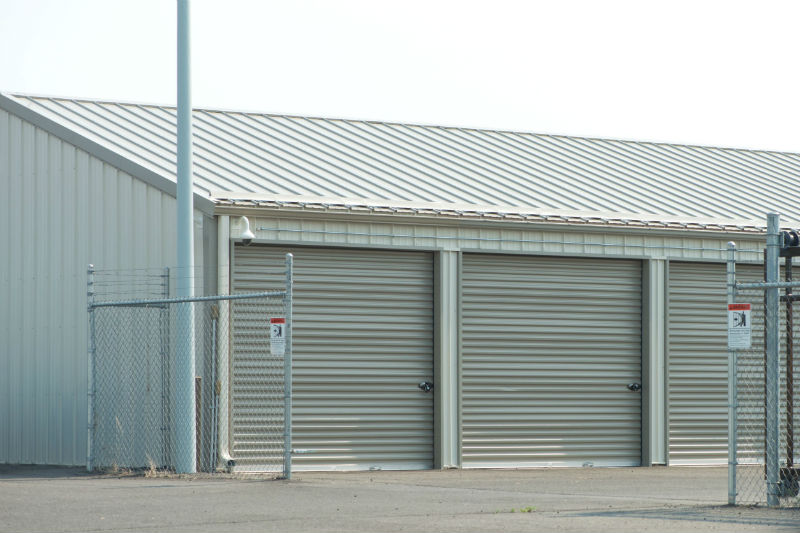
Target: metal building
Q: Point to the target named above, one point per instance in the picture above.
(564, 297)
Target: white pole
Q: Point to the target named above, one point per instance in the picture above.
(223, 354)
(185, 453)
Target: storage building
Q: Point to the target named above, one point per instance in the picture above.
(563, 296)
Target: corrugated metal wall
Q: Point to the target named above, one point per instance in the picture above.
(61, 209)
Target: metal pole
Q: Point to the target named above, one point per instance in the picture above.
(214, 389)
(185, 460)
(732, 392)
(789, 367)
(287, 373)
(773, 368)
(90, 372)
(166, 379)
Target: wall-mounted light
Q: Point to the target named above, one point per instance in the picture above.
(247, 236)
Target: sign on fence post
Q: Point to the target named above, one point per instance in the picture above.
(277, 336)
(739, 330)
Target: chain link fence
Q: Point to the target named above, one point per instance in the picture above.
(763, 461)
(231, 414)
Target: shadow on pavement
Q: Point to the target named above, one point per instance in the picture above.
(724, 514)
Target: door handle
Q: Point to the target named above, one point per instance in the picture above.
(425, 386)
(635, 387)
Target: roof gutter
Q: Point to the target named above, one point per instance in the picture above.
(477, 221)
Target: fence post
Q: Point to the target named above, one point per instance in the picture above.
(166, 375)
(90, 370)
(773, 366)
(732, 390)
(287, 373)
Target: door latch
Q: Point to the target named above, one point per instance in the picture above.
(425, 386)
(634, 387)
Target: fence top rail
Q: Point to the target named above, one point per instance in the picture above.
(765, 285)
(166, 301)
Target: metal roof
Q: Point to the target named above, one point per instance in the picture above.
(277, 155)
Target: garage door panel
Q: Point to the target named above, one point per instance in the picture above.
(362, 341)
(697, 361)
(549, 345)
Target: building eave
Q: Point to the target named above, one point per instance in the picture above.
(155, 180)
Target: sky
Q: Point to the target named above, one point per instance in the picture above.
(714, 73)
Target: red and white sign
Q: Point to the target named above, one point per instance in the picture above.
(739, 328)
(277, 336)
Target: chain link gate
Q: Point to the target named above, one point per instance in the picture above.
(242, 349)
(762, 386)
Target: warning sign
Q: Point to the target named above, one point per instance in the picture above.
(277, 336)
(739, 326)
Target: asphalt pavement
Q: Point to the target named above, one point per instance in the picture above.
(560, 499)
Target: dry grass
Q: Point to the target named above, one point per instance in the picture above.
(153, 471)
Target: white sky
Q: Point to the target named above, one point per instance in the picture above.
(722, 73)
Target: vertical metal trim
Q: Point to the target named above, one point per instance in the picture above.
(664, 370)
(90, 371)
(732, 391)
(667, 395)
(460, 363)
(646, 363)
(438, 359)
(653, 361)
(287, 373)
(773, 364)
(445, 271)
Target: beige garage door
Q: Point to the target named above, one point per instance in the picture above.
(363, 341)
(697, 361)
(550, 346)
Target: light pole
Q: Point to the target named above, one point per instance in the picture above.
(185, 456)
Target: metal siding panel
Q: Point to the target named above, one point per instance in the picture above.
(48, 156)
(363, 340)
(15, 352)
(697, 362)
(5, 282)
(81, 210)
(69, 291)
(8, 272)
(549, 345)
(28, 306)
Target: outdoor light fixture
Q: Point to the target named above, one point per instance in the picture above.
(247, 236)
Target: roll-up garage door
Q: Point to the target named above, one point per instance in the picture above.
(362, 343)
(550, 346)
(697, 362)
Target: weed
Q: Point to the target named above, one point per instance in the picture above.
(528, 509)
(152, 470)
